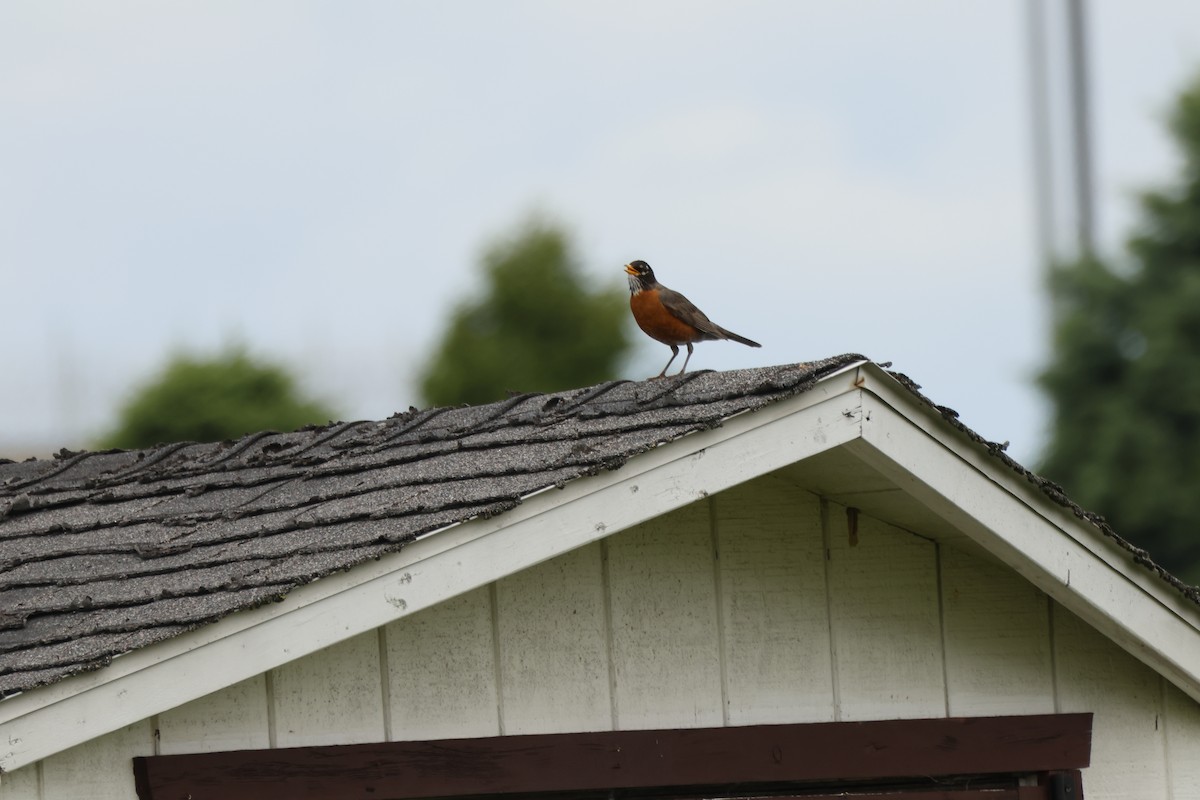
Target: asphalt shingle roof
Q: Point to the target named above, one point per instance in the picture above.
(103, 553)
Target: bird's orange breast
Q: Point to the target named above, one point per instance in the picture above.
(659, 323)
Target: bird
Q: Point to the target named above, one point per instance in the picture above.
(669, 317)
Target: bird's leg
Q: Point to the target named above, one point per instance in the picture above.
(674, 352)
(687, 359)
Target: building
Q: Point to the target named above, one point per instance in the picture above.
(800, 577)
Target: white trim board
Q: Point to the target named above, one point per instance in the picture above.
(1067, 558)
(860, 407)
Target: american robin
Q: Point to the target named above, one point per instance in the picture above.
(670, 317)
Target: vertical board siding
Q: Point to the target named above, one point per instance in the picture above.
(666, 657)
(20, 784)
(333, 696)
(885, 621)
(101, 769)
(1183, 743)
(553, 647)
(773, 605)
(723, 612)
(443, 670)
(234, 718)
(1128, 749)
(997, 633)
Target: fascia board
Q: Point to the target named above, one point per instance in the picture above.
(1067, 558)
(437, 567)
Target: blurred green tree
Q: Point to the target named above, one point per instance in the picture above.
(1124, 379)
(538, 326)
(211, 399)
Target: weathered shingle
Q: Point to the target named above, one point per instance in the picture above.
(102, 553)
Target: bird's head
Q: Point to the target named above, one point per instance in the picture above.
(641, 277)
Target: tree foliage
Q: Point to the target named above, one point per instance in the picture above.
(1125, 374)
(538, 326)
(211, 399)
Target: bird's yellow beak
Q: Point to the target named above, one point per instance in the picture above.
(629, 270)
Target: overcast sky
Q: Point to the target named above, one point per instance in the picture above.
(316, 180)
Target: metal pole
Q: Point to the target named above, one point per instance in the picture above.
(1080, 128)
(1045, 222)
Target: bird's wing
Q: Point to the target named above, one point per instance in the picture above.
(682, 308)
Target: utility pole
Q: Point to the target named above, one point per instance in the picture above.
(1060, 106)
(1085, 220)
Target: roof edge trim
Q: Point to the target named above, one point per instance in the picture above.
(1068, 558)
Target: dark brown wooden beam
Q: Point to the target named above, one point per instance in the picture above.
(748, 756)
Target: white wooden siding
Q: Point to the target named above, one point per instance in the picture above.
(1183, 743)
(738, 609)
(997, 632)
(884, 615)
(442, 671)
(235, 718)
(100, 769)
(1128, 746)
(21, 784)
(773, 612)
(334, 696)
(554, 674)
(665, 649)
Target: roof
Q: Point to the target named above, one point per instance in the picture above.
(103, 553)
(147, 554)
(1056, 493)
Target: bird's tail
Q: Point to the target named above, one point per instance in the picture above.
(737, 338)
